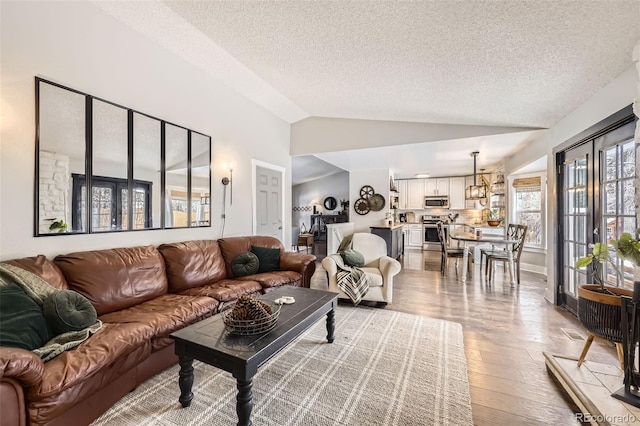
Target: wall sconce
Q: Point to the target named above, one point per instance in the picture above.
(229, 181)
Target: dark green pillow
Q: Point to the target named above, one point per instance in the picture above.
(68, 310)
(245, 264)
(269, 258)
(22, 322)
(352, 258)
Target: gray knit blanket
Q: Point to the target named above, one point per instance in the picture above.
(351, 281)
(38, 289)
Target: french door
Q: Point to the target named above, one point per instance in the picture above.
(596, 203)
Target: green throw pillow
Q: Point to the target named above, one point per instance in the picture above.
(269, 258)
(68, 310)
(22, 322)
(245, 264)
(352, 258)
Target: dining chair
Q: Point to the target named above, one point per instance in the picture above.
(295, 234)
(448, 251)
(514, 232)
(511, 232)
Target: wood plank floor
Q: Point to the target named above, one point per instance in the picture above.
(505, 330)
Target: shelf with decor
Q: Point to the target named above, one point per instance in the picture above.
(497, 197)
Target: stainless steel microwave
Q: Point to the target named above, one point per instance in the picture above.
(436, 202)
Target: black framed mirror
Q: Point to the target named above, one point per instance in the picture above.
(330, 203)
(102, 167)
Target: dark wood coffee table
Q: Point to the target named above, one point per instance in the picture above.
(208, 342)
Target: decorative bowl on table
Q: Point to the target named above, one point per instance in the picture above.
(493, 222)
(250, 316)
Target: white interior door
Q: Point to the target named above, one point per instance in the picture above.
(269, 202)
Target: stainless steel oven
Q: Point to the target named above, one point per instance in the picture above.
(431, 240)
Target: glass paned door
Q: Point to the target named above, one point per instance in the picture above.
(617, 192)
(576, 219)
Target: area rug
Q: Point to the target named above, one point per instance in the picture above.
(384, 368)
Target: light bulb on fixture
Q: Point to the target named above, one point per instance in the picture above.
(229, 181)
(422, 175)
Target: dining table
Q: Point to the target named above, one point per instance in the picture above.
(471, 239)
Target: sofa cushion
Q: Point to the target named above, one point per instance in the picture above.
(22, 322)
(94, 355)
(268, 258)
(246, 263)
(192, 264)
(233, 246)
(225, 290)
(352, 258)
(165, 314)
(44, 268)
(276, 279)
(68, 310)
(115, 279)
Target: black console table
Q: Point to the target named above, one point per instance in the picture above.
(320, 231)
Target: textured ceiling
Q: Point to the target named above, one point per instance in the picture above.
(520, 63)
(500, 63)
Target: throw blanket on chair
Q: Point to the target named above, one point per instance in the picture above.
(352, 281)
(38, 289)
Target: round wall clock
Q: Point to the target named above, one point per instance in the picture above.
(330, 203)
(366, 191)
(376, 202)
(361, 206)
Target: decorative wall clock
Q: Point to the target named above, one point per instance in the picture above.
(376, 202)
(361, 206)
(366, 191)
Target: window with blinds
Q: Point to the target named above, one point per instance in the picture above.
(528, 197)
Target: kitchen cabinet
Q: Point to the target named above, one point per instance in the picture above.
(392, 236)
(414, 236)
(456, 193)
(402, 194)
(416, 194)
(436, 186)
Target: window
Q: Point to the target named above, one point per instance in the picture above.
(618, 204)
(109, 204)
(528, 208)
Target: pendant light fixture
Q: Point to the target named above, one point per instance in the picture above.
(475, 191)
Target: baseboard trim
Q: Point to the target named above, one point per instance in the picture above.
(534, 268)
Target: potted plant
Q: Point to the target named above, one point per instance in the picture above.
(493, 217)
(345, 206)
(59, 225)
(599, 305)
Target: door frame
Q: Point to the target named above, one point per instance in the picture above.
(254, 191)
(611, 122)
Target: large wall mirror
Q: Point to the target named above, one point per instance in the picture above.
(102, 167)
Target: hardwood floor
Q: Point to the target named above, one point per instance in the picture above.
(505, 330)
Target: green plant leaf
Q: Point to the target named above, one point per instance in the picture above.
(585, 261)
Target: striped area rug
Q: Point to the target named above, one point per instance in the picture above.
(384, 368)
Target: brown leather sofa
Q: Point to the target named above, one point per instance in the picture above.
(141, 294)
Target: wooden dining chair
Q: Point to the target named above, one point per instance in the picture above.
(448, 251)
(514, 232)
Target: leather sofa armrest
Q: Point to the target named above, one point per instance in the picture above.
(21, 365)
(304, 264)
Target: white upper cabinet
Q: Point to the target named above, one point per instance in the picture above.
(416, 194)
(403, 194)
(456, 193)
(436, 186)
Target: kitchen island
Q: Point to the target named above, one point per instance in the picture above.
(392, 235)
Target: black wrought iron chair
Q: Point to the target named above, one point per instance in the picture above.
(448, 251)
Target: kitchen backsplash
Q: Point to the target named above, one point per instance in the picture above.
(469, 216)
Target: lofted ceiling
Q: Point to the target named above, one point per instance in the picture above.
(525, 63)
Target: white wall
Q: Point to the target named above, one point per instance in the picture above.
(336, 186)
(611, 98)
(379, 180)
(78, 45)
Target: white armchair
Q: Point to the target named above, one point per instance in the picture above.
(379, 268)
